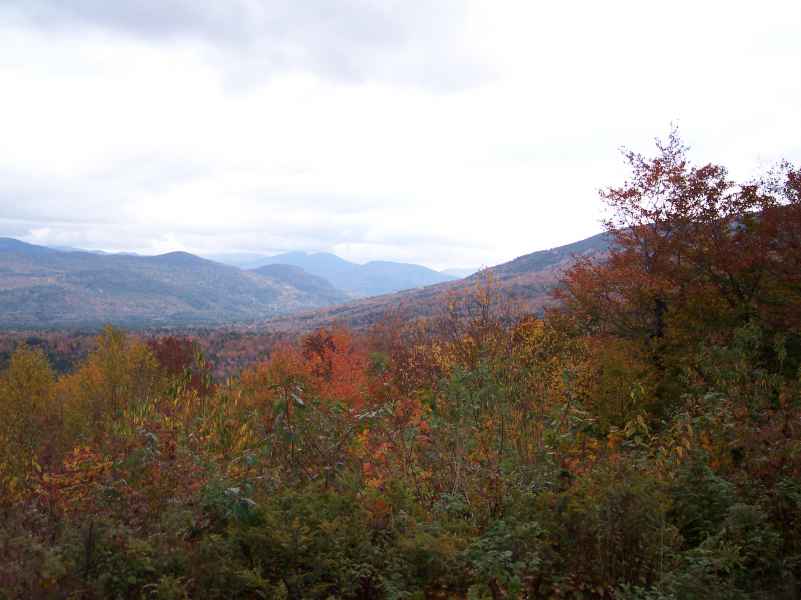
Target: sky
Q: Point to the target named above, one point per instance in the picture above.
(447, 133)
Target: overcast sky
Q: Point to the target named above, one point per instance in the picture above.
(439, 132)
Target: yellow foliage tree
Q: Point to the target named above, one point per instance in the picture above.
(119, 375)
(27, 416)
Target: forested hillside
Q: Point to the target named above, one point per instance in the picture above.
(527, 281)
(42, 287)
(639, 440)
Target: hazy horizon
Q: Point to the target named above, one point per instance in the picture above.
(242, 254)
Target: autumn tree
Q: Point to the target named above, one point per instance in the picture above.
(28, 419)
(182, 361)
(120, 373)
(694, 257)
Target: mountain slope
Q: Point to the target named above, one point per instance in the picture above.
(43, 287)
(303, 281)
(527, 280)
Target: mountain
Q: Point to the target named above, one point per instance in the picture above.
(527, 280)
(546, 259)
(303, 281)
(44, 287)
(357, 281)
(243, 260)
(371, 279)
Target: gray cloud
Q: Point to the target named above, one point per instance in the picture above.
(240, 125)
(98, 197)
(106, 210)
(407, 42)
(233, 21)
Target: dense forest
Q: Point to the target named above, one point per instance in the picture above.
(640, 440)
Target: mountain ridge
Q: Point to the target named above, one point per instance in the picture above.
(357, 280)
(41, 287)
(527, 279)
(44, 287)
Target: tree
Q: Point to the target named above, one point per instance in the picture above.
(120, 373)
(28, 427)
(694, 255)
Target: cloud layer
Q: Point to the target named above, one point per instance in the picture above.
(449, 133)
(348, 40)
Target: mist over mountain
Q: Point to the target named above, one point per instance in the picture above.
(370, 279)
(460, 272)
(243, 260)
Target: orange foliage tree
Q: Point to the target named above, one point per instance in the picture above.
(694, 257)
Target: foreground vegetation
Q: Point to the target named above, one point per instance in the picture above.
(643, 441)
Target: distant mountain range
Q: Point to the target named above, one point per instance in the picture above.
(44, 287)
(527, 280)
(358, 281)
(71, 249)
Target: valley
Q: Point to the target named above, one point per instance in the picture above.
(44, 288)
